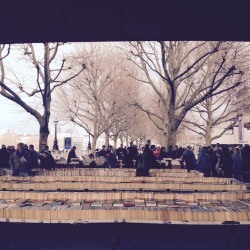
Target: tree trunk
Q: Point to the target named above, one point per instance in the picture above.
(93, 144)
(115, 141)
(170, 124)
(95, 134)
(209, 124)
(172, 139)
(43, 138)
(137, 141)
(126, 138)
(208, 139)
(121, 139)
(44, 124)
(106, 139)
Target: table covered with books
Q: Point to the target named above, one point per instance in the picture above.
(107, 195)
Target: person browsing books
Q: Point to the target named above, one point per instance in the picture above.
(21, 161)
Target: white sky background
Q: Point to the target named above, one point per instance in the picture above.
(11, 114)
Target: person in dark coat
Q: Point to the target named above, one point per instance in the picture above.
(150, 159)
(245, 154)
(46, 148)
(178, 154)
(170, 154)
(188, 158)
(213, 160)
(4, 157)
(111, 161)
(204, 164)
(145, 161)
(128, 159)
(133, 150)
(102, 152)
(237, 165)
(72, 154)
(34, 156)
(48, 162)
(226, 163)
(121, 152)
(163, 153)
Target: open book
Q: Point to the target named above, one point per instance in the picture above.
(23, 160)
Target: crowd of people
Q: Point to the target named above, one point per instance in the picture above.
(216, 161)
(226, 161)
(213, 161)
(24, 158)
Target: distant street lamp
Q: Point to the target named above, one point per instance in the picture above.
(89, 144)
(55, 146)
(240, 132)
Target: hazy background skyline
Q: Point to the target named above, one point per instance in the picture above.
(13, 117)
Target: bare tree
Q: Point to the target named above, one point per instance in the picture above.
(97, 99)
(178, 71)
(217, 111)
(213, 112)
(49, 76)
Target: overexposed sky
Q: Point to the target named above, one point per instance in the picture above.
(12, 115)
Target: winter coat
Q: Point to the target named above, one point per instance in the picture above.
(102, 153)
(204, 164)
(34, 156)
(147, 160)
(237, 167)
(121, 152)
(227, 165)
(72, 154)
(133, 151)
(189, 158)
(128, 161)
(4, 158)
(163, 154)
(171, 154)
(17, 166)
(47, 162)
(111, 161)
(246, 158)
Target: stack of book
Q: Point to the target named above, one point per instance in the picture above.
(101, 195)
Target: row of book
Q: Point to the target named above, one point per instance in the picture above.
(116, 172)
(136, 202)
(107, 172)
(57, 210)
(175, 179)
(120, 195)
(110, 194)
(64, 185)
